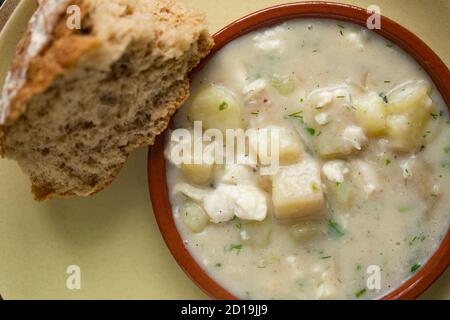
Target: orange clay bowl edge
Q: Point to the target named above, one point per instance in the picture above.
(430, 62)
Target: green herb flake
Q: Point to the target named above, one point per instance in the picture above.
(340, 31)
(338, 184)
(275, 258)
(314, 186)
(218, 265)
(412, 240)
(311, 131)
(389, 45)
(234, 247)
(296, 115)
(415, 267)
(435, 116)
(447, 150)
(358, 267)
(326, 257)
(387, 162)
(341, 26)
(420, 238)
(387, 81)
(301, 100)
(360, 293)
(403, 209)
(223, 106)
(340, 97)
(334, 230)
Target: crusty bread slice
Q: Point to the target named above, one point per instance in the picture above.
(76, 102)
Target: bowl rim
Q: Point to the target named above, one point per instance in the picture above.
(412, 287)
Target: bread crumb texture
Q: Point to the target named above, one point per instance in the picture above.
(77, 102)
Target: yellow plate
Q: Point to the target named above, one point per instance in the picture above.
(112, 236)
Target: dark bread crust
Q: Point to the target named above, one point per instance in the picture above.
(32, 74)
(36, 69)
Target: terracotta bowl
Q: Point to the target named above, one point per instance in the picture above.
(430, 62)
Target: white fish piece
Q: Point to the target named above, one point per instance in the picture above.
(322, 118)
(275, 44)
(321, 99)
(247, 202)
(218, 206)
(369, 177)
(238, 174)
(254, 87)
(357, 39)
(255, 92)
(355, 136)
(406, 167)
(326, 275)
(335, 170)
(271, 40)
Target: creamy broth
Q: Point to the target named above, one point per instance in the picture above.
(385, 192)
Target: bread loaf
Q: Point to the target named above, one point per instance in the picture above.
(77, 101)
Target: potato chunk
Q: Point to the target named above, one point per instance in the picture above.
(290, 147)
(408, 111)
(331, 124)
(329, 144)
(399, 130)
(200, 174)
(256, 234)
(410, 99)
(335, 141)
(307, 230)
(340, 191)
(297, 190)
(370, 113)
(193, 216)
(216, 108)
(341, 194)
(285, 85)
